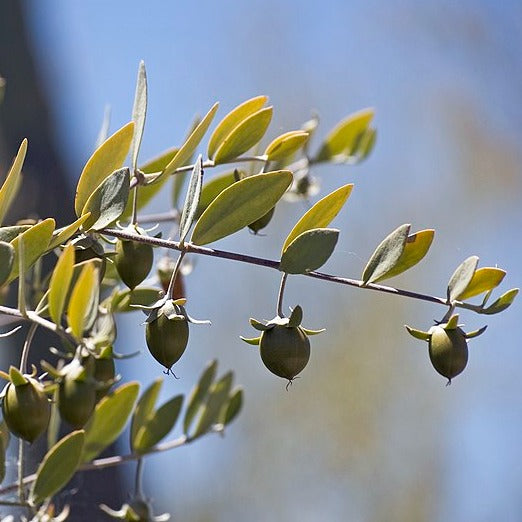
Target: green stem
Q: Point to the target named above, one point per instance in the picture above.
(134, 218)
(27, 346)
(138, 490)
(170, 290)
(21, 457)
(280, 295)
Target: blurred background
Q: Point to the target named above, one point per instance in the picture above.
(369, 432)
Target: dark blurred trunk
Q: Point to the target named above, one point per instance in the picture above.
(45, 192)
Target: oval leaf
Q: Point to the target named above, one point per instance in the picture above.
(211, 189)
(240, 204)
(144, 409)
(286, 145)
(7, 234)
(461, 278)
(386, 255)
(483, 280)
(83, 299)
(7, 256)
(126, 300)
(309, 251)
(107, 158)
(192, 200)
(109, 419)
(244, 136)
(342, 140)
(60, 282)
(321, 214)
(62, 235)
(107, 203)
(415, 248)
(139, 113)
(503, 302)
(232, 120)
(190, 145)
(58, 466)
(198, 394)
(234, 406)
(158, 425)
(36, 242)
(12, 181)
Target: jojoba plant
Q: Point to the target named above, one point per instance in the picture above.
(100, 262)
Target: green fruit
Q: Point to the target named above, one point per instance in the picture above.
(26, 409)
(167, 339)
(448, 351)
(104, 373)
(133, 261)
(285, 351)
(76, 400)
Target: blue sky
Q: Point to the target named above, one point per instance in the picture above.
(446, 80)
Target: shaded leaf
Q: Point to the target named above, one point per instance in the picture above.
(107, 203)
(36, 241)
(309, 251)
(321, 214)
(244, 136)
(7, 256)
(386, 255)
(415, 248)
(234, 406)
(158, 425)
(124, 300)
(12, 181)
(61, 235)
(60, 283)
(461, 278)
(7, 234)
(286, 145)
(107, 158)
(192, 199)
(240, 204)
(232, 120)
(365, 144)
(212, 188)
(108, 420)
(4, 442)
(139, 113)
(217, 400)
(198, 394)
(83, 299)
(341, 142)
(503, 302)
(190, 145)
(57, 468)
(144, 409)
(483, 280)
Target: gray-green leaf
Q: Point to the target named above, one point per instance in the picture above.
(461, 278)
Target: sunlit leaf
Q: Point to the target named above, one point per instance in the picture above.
(198, 394)
(61, 235)
(483, 280)
(415, 248)
(36, 242)
(342, 140)
(139, 113)
(190, 145)
(244, 136)
(60, 282)
(212, 188)
(7, 256)
(232, 120)
(107, 203)
(107, 158)
(321, 214)
(286, 145)
(240, 204)
(503, 302)
(192, 199)
(461, 278)
(108, 420)
(386, 255)
(57, 467)
(12, 182)
(309, 251)
(83, 299)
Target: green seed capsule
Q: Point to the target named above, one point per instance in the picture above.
(448, 350)
(285, 351)
(26, 409)
(133, 261)
(167, 339)
(104, 373)
(76, 400)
